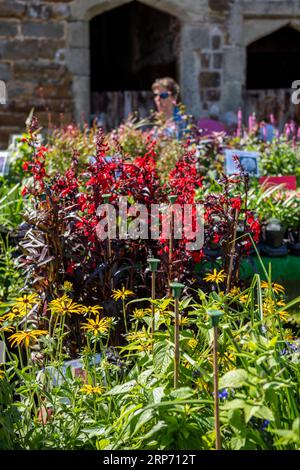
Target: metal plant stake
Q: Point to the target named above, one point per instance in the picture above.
(176, 293)
(153, 265)
(215, 318)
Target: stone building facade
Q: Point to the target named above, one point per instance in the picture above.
(45, 57)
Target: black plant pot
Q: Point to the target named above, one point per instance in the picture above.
(274, 233)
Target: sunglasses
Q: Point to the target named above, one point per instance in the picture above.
(163, 96)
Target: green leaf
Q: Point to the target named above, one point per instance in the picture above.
(237, 403)
(158, 394)
(234, 379)
(121, 389)
(161, 357)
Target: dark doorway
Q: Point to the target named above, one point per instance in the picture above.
(272, 66)
(273, 61)
(131, 46)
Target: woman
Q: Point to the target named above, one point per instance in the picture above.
(172, 121)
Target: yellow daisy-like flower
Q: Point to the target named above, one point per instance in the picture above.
(97, 327)
(24, 337)
(183, 321)
(281, 303)
(234, 291)
(215, 276)
(121, 293)
(243, 298)
(90, 390)
(268, 306)
(138, 313)
(2, 374)
(145, 346)
(68, 286)
(288, 335)
(65, 306)
(94, 310)
(6, 329)
(277, 288)
(192, 343)
(137, 336)
(27, 301)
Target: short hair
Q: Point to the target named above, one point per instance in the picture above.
(168, 83)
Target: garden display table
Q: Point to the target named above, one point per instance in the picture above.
(284, 270)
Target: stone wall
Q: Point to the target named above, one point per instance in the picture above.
(45, 60)
(33, 40)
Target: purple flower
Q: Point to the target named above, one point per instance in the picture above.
(223, 394)
(265, 424)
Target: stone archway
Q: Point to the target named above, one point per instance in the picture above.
(78, 52)
(275, 55)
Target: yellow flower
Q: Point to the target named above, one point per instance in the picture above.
(2, 374)
(215, 277)
(98, 327)
(268, 306)
(183, 321)
(277, 288)
(27, 301)
(145, 346)
(288, 334)
(8, 317)
(90, 390)
(6, 329)
(234, 292)
(137, 336)
(68, 286)
(121, 293)
(95, 310)
(281, 303)
(26, 336)
(65, 306)
(243, 298)
(192, 343)
(138, 313)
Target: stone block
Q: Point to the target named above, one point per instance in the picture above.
(38, 71)
(231, 95)
(81, 86)
(11, 9)
(220, 5)
(5, 72)
(205, 60)
(199, 37)
(78, 34)
(216, 42)
(60, 12)
(20, 49)
(15, 119)
(78, 61)
(53, 30)
(209, 79)
(234, 61)
(49, 48)
(8, 28)
(213, 95)
(38, 11)
(217, 61)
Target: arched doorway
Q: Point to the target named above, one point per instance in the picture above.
(272, 66)
(130, 46)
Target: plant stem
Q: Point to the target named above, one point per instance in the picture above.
(216, 389)
(176, 341)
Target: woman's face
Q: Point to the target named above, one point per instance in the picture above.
(164, 100)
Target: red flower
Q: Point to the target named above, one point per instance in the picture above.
(236, 203)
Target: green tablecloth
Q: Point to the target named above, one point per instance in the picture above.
(285, 271)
